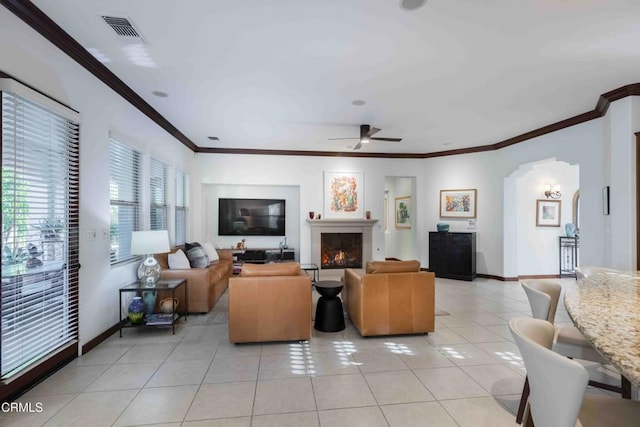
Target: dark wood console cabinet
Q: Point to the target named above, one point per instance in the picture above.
(453, 255)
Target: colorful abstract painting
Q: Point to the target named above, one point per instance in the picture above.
(343, 194)
(458, 203)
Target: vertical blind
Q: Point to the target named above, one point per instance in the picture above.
(158, 192)
(124, 194)
(40, 198)
(181, 208)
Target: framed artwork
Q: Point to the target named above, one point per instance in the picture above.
(458, 203)
(344, 194)
(548, 213)
(403, 212)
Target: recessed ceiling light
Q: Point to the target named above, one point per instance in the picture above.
(213, 138)
(412, 4)
(160, 93)
(358, 102)
(447, 144)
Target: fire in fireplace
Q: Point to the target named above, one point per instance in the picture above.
(341, 250)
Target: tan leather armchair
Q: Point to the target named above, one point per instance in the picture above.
(390, 297)
(270, 302)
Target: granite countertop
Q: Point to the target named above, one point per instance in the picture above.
(605, 307)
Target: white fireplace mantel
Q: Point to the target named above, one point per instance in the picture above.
(340, 225)
(342, 222)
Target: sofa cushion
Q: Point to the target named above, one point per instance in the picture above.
(276, 269)
(197, 257)
(211, 251)
(178, 260)
(393, 266)
(188, 245)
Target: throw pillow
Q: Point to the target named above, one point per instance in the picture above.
(188, 246)
(178, 260)
(211, 251)
(197, 257)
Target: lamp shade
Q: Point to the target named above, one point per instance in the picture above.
(149, 242)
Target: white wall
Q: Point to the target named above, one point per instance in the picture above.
(42, 66)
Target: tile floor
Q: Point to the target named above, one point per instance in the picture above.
(467, 373)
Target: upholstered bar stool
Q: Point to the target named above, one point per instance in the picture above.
(558, 384)
(543, 296)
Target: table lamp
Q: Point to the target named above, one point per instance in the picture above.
(148, 243)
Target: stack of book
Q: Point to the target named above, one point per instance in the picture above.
(159, 319)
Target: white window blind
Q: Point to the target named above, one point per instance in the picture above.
(124, 190)
(158, 192)
(40, 187)
(181, 208)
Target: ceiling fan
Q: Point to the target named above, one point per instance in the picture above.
(366, 133)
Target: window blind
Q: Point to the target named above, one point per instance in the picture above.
(158, 192)
(40, 198)
(124, 194)
(181, 208)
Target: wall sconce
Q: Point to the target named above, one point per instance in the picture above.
(552, 192)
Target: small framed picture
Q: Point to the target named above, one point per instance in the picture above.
(548, 213)
(403, 212)
(458, 203)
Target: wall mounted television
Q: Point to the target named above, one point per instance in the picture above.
(251, 217)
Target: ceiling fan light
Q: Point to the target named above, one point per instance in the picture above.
(365, 140)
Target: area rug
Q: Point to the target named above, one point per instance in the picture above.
(441, 312)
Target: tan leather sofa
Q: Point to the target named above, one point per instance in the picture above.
(270, 302)
(390, 297)
(205, 285)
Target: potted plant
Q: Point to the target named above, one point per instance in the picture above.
(50, 228)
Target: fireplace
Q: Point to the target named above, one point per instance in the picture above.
(340, 250)
(330, 268)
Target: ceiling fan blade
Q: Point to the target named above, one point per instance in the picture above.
(358, 145)
(339, 139)
(387, 139)
(373, 131)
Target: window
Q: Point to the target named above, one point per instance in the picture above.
(158, 192)
(181, 208)
(40, 185)
(124, 191)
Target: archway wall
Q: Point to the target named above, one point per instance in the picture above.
(537, 246)
(578, 145)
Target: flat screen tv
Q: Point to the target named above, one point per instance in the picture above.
(251, 217)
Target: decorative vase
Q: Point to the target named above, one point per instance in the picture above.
(136, 310)
(570, 229)
(149, 298)
(168, 305)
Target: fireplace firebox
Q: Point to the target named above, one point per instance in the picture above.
(340, 250)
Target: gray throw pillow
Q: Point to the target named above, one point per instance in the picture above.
(197, 257)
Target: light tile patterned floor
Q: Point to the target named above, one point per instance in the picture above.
(467, 373)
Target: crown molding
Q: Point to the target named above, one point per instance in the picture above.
(44, 25)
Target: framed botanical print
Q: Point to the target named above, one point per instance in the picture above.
(403, 212)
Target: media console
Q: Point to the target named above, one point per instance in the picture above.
(264, 255)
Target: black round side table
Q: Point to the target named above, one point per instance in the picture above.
(329, 312)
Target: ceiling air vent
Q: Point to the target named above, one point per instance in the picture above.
(123, 27)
